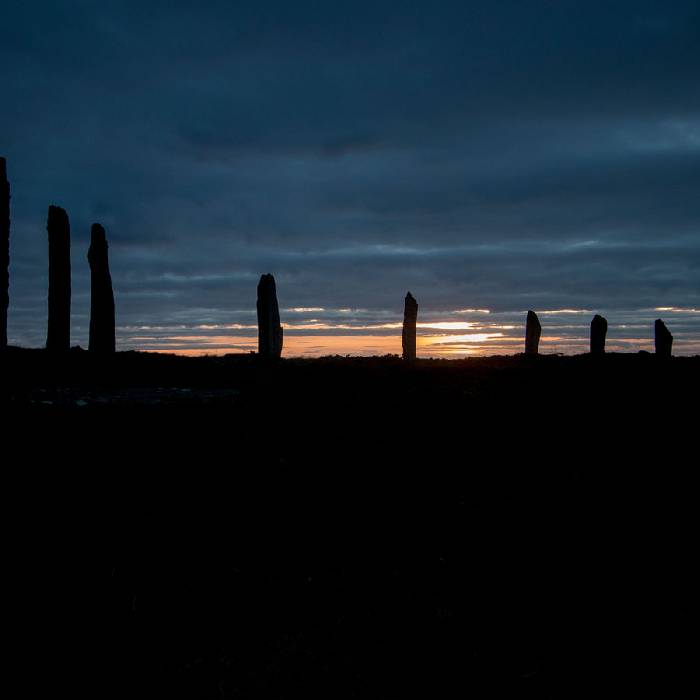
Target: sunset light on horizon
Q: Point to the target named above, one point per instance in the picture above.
(490, 161)
(346, 347)
(360, 332)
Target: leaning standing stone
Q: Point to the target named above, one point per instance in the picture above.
(663, 340)
(533, 330)
(599, 329)
(4, 251)
(58, 227)
(408, 338)
(269, 328)
(102, 330)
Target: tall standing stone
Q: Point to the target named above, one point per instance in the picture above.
(102, 333)
(269, 328)
(599, 329)
(4, 252)
(533, 330)
(58, 336)
(663, 340)
(408, 337)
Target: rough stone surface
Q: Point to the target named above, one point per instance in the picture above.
(533, 330)
(4, 251)
(599, 329)
(269, 328)
(58, 227)
(102, 331)
(663, 340)
(408, 337)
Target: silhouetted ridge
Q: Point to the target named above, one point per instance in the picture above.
(533, 330)
(599, 329)
(102, 331)
(4, 251)
(269, 328)
(408, 338)
(58, 227)
(663, 340)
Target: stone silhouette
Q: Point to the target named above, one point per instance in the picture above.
(102, 333)
(408, 337)
(4, 251)
(58, 336)
(269, 328)
(533, 330)
(599, 329)
(663, 340)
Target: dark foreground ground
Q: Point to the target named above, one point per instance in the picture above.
(220, 527)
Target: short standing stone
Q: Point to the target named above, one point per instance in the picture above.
(599, 329)
(102, 330)
(58, 227)
(663, 340)
(4, 251)
(408, 338)
(269, 328)
(533, 330)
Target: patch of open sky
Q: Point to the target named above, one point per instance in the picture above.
(389, 250)
(663, 136)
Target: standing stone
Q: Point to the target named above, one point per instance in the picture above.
(102, 333)
(58, 336)
(408, 337)
(599, 329)
(269, 328)
(663, 340)
(533, 330)
(4, 251)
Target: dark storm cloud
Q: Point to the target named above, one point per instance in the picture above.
(484, 154)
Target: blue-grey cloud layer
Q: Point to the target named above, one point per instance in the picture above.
(503, 155)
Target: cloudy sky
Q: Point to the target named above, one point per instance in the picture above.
(490, 157)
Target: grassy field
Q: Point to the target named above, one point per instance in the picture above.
(347, 527)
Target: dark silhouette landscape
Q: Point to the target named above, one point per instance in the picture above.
(252, 526)
(348, 527)
(479, 219)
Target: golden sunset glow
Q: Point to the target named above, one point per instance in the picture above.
(317, 325)
(556, 312)
(305, 309)
(431, 340)
(361, 332)
(448, 326)
(677, 310)
(294, 345)
(435, 345)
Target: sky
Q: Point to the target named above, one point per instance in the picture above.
(490, 157)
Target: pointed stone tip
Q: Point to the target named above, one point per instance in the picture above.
(267, 280)
(57, 215)
(97, 234)
(660, 327)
